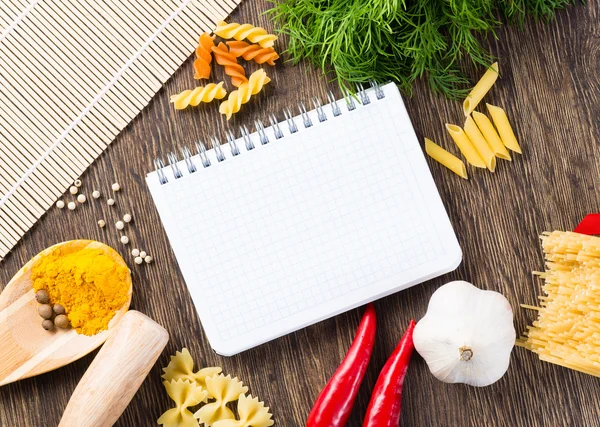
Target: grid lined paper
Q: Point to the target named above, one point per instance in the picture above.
(322, 216)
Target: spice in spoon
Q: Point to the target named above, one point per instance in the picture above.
(88, 284)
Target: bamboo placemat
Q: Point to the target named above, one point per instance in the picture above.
(73, 74)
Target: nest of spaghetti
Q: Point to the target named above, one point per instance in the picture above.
(567, 330)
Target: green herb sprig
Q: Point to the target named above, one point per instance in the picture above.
(399, 40)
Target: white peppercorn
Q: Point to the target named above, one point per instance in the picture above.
(110, 202)
(96, 194)
(148, 259)
(81, 198)
(77, 183)
(72, 206)
(60, 204)
(135, 252)
(143, 254)
(138, 260)
(116, 187)
(124, 240)
(127, 217)
(73, 190)
(101, 223)
(120, 225)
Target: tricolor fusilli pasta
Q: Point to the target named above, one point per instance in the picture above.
(245, 31)
(197, 95)
(253, 52)
(203, 56)
(243, 94)
(229, 62)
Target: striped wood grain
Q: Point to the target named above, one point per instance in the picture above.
(73, 74)
(549, 87)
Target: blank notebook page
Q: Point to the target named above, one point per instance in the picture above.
(306, 226)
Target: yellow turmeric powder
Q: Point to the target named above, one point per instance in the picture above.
(87, 282)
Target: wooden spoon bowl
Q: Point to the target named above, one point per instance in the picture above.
(27, 349)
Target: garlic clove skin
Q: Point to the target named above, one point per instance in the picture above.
(467, 334)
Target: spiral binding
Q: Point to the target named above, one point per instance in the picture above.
(235, 151)
(187, 156)
(275, 126)
(201, 148)
(260, 129)
(174, 166)
(246, 135)
(319, 109)
(289, 118)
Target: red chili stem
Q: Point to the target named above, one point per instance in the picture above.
(334, 404)
(386, 400)
(589, 225)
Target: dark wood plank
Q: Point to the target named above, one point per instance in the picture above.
(550, 88)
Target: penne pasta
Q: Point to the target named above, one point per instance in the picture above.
(504, 128)
(465, 146)
(480, 144)
(491, 136)
(445, 158)
(481, 88)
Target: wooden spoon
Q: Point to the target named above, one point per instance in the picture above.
(27, 349)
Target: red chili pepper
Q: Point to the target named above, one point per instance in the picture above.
(589, 225)
(334, 404)
(384, 407)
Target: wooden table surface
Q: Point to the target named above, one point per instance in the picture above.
(550, 87)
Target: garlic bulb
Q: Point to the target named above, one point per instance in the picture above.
(466, 335)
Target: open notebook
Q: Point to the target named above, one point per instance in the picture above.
(304, 219)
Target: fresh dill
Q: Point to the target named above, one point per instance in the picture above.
(399, 40)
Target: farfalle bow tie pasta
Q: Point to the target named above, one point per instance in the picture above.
(185, 394)
(252, 414)
(188, 388)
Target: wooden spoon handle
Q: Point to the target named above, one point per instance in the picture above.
(116, 373)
